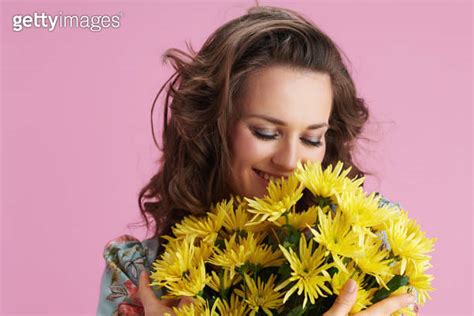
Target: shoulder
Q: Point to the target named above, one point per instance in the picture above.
(125, 258)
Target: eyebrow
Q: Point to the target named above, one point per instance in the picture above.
(281, 123)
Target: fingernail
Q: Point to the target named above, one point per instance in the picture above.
(351, 286)
(416, 308)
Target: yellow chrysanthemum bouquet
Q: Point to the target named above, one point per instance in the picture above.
(291, 252)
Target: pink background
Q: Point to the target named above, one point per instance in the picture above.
(76, 142)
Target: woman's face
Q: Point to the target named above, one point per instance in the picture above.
(284, 118)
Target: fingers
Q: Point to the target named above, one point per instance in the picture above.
(344, 302)
(389, 305)
(152, 305)
(144, 291)
(185, 300)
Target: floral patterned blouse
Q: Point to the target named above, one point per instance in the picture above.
(125, 258)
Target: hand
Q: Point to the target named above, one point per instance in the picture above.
(346, 299)
(154, 306)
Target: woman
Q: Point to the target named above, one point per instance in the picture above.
(266, 90)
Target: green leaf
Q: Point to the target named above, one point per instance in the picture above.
(324, 201)
(241, 233)
(395, 283)
(297, 311)
(220, 244)
(294, 237)
(285, 270)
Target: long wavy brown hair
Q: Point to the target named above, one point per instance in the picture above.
(203, 96)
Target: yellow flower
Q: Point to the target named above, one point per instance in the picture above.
(408, 242)
(238, 251)
(234, 307)
(238, 219)
(181, 269)
(260, 295)
(282, 196)
(233, 255)
(328, 182)
(421, 281)
(223, 281)
(363, 211)
(364, 297)
(198, 307)
(264, 256)
(190, 284)
(177, 259)
(302, 220)
(203, 227)
(309, 271)
(338, 237)
(375, 261)
(200, 250)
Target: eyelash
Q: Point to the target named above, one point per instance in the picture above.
(267, 137)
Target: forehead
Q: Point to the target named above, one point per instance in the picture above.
(292, 95)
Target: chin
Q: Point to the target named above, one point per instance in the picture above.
(251, 187)
(256, 193)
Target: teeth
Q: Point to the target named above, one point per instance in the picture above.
(265, 176)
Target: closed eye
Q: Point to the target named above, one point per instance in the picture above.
(314, 143)
(264, 134)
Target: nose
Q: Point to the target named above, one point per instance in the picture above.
(286, 156)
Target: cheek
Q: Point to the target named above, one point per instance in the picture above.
(246, 149)
(322, 152)
(316, 155)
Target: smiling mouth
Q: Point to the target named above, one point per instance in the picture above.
(268, 177)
